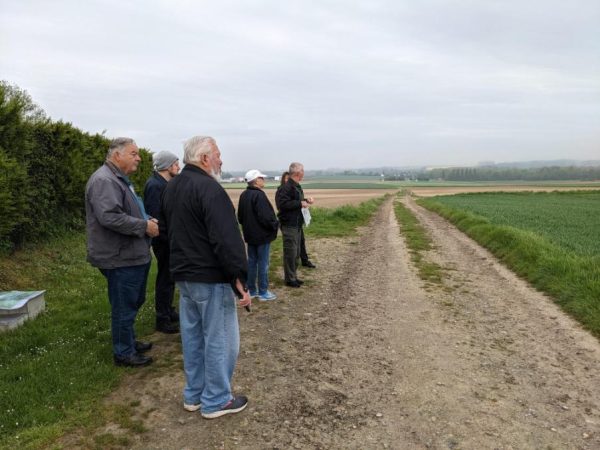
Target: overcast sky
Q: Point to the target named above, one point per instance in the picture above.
(343, 84)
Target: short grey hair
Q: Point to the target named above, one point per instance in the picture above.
(118, 144)
(196, 147)
(296, 167)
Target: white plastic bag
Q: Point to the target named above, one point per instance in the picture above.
(306, 215)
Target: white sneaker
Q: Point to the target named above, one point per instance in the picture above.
(268, 296)
(191, 408)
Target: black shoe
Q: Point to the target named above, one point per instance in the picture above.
(299, 281)
(135, 360)
(234, 406)
(167, 327)
(293, 284)
(142, 347)
(308, 264)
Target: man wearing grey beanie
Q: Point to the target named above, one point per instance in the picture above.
(166, 166)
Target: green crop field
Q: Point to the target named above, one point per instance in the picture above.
(549, 238)
(570, 220)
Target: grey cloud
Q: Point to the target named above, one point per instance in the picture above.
(336, 84)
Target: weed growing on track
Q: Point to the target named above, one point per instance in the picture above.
(418, 242)
(541, 237)
(341, 221)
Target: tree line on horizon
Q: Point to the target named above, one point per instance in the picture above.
(590, 171)
(44, 166)
(553, 173)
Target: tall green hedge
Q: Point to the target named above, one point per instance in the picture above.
(44, 166)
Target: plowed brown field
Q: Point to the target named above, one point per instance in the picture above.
(325, 198)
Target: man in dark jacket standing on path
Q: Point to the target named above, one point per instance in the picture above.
(259, 224)
(306, 262)
(208, 263)
(166, 166)
(118, 243)
(290, 202)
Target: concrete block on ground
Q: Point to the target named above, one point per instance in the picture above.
(18, 306)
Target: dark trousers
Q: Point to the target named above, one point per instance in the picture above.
(126, 293)
(303, 254)
(164, 287)
(291, 251)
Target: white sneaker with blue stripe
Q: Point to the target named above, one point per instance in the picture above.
(267, 296)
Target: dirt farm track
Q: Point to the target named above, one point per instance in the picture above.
(366, 356)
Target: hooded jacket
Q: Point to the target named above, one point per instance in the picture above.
(257, 217)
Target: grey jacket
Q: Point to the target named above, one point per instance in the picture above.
(115, 224)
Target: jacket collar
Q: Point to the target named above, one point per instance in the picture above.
(293, 182)
(159, 177)
(193, 168)
(114, 169)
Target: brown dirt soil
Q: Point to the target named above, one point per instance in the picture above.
(324, 198)
(367, 356)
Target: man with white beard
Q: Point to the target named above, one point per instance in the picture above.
(208, 263)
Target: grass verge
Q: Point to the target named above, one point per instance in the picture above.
(572, 280)
(418, 242)
(54, 370)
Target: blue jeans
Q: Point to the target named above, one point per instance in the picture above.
(258, 261)
(126, 293)
(210, 339)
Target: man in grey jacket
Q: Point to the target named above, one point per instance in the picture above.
(118, 243)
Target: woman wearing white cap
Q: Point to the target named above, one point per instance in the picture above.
(259, 226)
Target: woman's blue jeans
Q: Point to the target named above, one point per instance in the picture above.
(258, 264)
(210, 339)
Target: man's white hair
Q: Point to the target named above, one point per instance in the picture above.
(194, 148)
(296, 167)
(117, 145)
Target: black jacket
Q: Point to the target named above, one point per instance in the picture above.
(153, 189)
(204, 236)
(257, 217)
(289, 204)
